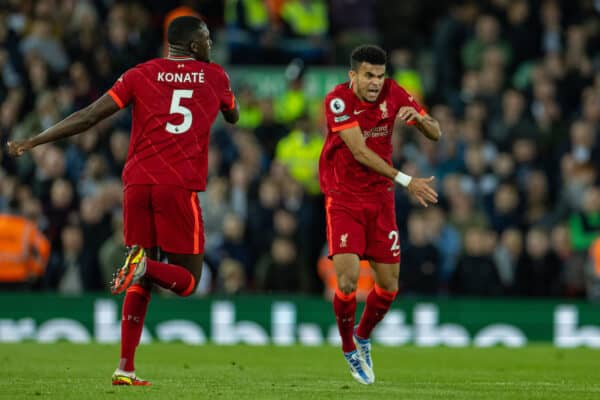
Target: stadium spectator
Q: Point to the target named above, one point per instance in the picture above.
(278, 271)
(476, 273)
(538, 272)
(507, 255)
(420, 260)
(299, 152)
(66, 269)
(24, 252)
(446, 240)
(231, 278)
(306, 23)
(111, 250)
(233, 245)
(585, 223)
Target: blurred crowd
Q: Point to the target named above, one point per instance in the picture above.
(515, 85)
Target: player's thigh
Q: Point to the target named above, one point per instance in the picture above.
(386, 275)
(346, 228)
(138, 216)
(347, 270)
(178, 220)
(383, 239)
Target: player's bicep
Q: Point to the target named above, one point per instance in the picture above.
(354, 139)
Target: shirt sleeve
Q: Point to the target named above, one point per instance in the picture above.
(227, 99)
(405, 99)
(339, 111)
(122, 91)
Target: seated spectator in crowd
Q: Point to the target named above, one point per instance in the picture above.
(111, 252)
(506, 256)
(278, 271)
(585, 224)
(215, 206)
(506, 208)
(476, 273)
(446, 239)
(234, 245)
(231, 277)
(260, 226)
(539, 271)
(420, 270)
(66, 268)
(464, 214)
(487, 35)
(59, 209)
(573, 263)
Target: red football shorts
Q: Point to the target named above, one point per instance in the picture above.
(364, 227)
(163, 216)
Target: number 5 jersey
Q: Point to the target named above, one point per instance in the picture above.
(174, 102)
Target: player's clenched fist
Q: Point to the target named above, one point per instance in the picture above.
(419, 187)
(17, 147)
(409, 114)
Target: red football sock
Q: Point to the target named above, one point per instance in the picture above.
(169, 276)
(344, 306)
(378, 304)
(134, 310)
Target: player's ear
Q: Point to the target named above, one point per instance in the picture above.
(193, 46)
(352, 75)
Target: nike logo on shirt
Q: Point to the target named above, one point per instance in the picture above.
(356, 112)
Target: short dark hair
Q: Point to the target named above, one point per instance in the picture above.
(181, 29)
(369, 53)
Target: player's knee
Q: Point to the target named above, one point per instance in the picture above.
(192, 286)
(391, 286)
(347, 287)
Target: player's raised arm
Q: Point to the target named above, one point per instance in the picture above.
(423, 121)
(418, 187)
(75, 123)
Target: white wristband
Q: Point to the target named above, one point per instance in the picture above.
(403, 179)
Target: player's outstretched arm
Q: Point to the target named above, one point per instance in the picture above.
(424, 122)
(75, 123)
(418, 187)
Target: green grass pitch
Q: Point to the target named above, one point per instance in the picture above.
(68, 371)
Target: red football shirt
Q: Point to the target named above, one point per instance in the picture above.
(175, 101)
(339, 172)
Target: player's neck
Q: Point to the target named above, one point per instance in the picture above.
(179, 54)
